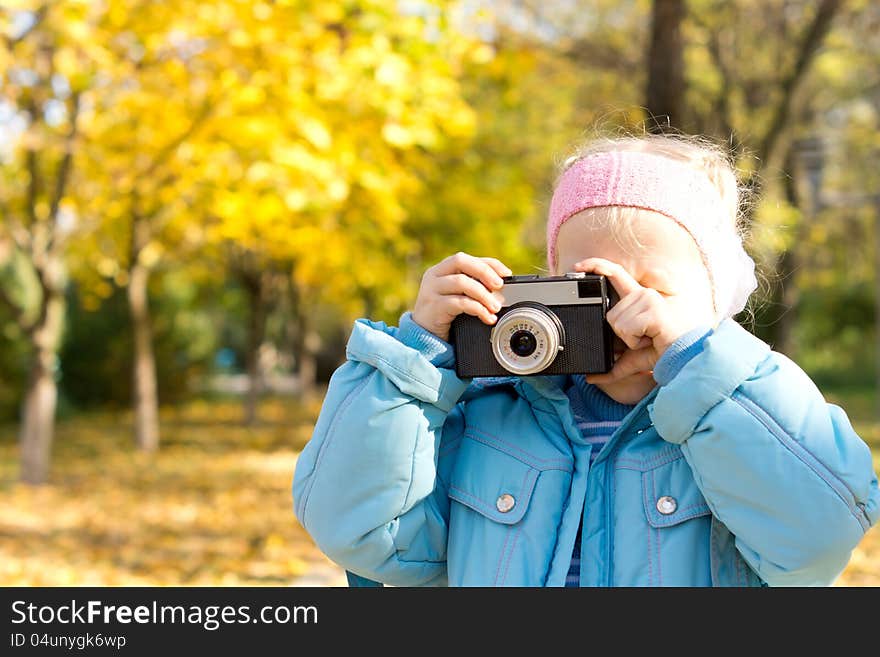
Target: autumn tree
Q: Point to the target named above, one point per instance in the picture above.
(46, 67)
(315, 151)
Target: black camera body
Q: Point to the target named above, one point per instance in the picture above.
(547, 325)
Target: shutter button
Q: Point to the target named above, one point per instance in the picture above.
(667, 505)
(505, 502)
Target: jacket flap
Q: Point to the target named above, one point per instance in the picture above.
(491, 482)
(671, 495)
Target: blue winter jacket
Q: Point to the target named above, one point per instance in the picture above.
(736, 472)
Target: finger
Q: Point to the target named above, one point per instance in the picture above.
(456, 304)
(620, 278)
(627, 320)
(500, 268)
(639, 318)
(621, 307)
(630, 362)
(464, 263)
(455, 284)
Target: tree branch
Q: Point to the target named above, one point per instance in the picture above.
(17, 310)
(63, 174)
(812, 41)
(170, 147)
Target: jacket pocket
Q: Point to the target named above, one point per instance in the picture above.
(678, 525)
(491, 482)
(670, 494)
(493, 539)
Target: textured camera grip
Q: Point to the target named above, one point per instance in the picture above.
(588, 344)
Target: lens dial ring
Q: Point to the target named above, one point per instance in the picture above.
(526, 339)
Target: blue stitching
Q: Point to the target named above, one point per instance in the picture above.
(714, 555)
(327, 439)
(518, 531)
(508, 531)
(510, 553)
(659, 564)
(524, 494)
(503, 446)
(448, 447)
(652, 463)
(700, 508)
(365, 358)
(412, 468)
(793, 446)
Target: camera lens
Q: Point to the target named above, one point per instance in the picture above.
(527, 338)
(523, 343)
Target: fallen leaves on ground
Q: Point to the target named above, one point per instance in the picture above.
(212, 507)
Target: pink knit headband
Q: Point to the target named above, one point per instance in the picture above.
(682, 193)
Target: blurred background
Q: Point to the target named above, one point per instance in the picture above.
(197, 199)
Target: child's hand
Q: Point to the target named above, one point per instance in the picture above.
(646, 320)
(461, 283)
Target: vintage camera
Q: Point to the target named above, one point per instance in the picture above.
(548, 325)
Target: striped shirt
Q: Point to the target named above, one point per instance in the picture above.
(597, 416)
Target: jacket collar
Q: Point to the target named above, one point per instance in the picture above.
(545, 392)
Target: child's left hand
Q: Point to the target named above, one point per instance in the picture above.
(646, 320)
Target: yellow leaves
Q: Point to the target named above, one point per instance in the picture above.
(393, 71)
(151, 253)
(328, 12)
(482, 54)
(296, 199)
(396, 135)
(261, 11)
(315, 132)
(107, 267)
(261, 172)
(250, 96)
(66, 62)
(240, 38)
(337, 190)
(319, 118)
(774, 229)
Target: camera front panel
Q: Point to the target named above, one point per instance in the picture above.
(588, 343)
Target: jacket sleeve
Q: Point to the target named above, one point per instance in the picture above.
(778, 465)
(365, 486)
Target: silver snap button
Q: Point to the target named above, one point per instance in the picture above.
(505, 502)
(667, 505)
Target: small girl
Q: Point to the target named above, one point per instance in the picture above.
(702, 458)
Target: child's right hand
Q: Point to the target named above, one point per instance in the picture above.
(461, 283)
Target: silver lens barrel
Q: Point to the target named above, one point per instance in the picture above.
(539, 331)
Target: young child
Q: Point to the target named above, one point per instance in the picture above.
(703, 458)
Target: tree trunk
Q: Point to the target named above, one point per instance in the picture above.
(664, 96)
(787, 293)
(255, 286)
(40, 400)
(144, 389)
(788, 296)
(877, 297)
(307, 372)
(306, 343)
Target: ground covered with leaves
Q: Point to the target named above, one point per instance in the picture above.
(213, 507)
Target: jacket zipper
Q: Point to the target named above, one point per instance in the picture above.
(612, 446)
